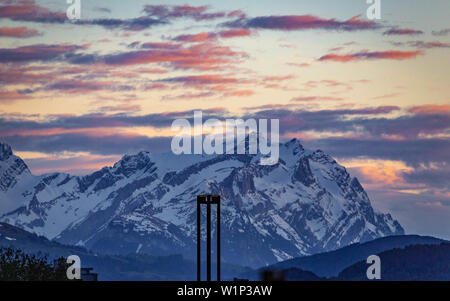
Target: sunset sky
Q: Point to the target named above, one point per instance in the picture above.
(76, 96)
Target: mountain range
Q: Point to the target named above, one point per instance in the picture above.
(411, 263)
(403, 257)
(329, 265)
(146, 203)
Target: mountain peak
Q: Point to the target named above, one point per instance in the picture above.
(130, 163)
(294, 142)
(294, 145)
(141, 156)
(5, 151)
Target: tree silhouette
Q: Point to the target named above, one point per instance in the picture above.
(16, 265)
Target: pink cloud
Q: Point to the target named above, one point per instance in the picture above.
(316, 98)
(374, 55)
(402, 31)
(303, 22)
(237, 13)
(17, 32)
(161, 45)
(198, 13)
(29, 11)
(200, 37)
(241, 32)
(210, 36)
(204, 56)
(200, 80)
(427, 45)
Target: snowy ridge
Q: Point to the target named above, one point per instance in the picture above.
(146, 203)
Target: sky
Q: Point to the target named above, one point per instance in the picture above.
(77, 95)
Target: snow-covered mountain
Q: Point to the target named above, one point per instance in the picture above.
(304, 204)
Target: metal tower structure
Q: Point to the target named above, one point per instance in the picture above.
(208, 200)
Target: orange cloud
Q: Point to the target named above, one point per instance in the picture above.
(17, 32)
(241, 93)
(200, 37)
(96, 132)
(8, 96)
(430, 109)
(241, 32)
(387, 175)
